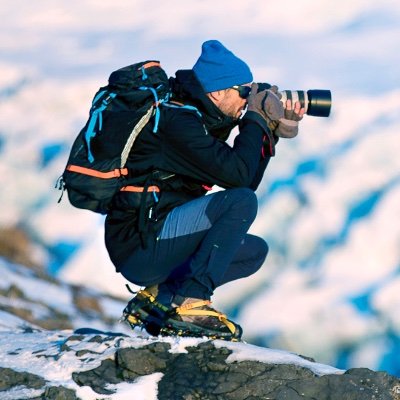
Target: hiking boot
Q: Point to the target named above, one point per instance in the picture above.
(145, 312)
(195, 317)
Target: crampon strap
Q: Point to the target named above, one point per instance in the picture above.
(191, 309)
(144, 293)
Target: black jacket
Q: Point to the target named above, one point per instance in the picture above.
(186, 154)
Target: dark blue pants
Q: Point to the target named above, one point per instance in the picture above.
(201, 245)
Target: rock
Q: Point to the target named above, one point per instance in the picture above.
(99, 377)
(58, 393)
(10, 379)
(204, 373)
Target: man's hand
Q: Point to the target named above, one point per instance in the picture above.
(288, 126)
(267, 104)
(282, 121)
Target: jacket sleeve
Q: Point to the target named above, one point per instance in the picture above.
(190, 150)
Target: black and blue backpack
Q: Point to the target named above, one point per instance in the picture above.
(96, 170)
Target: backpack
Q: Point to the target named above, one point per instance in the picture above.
(96, 170)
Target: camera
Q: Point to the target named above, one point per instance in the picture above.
(316, 102)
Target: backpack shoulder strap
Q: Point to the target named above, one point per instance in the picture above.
(176, 104)
(134, 134)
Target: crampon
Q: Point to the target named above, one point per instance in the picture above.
(145, 312)
(198, 319)
(190, 319)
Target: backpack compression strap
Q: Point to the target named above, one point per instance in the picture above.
(115, 173)
(139, 189)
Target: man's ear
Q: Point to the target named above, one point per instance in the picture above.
(216, 96)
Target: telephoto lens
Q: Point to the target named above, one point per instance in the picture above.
(316, 102)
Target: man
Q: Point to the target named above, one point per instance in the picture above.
(166, 235)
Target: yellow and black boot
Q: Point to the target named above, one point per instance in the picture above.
(145, 312)
(194, 317)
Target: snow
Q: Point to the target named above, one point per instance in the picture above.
(21, 392)
(9, 322)
(145, 388)
(329, 203)
(242, 352)
(45, 292)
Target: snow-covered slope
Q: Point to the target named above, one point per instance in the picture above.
(329, 204)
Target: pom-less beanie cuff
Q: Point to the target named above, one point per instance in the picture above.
(218, 68)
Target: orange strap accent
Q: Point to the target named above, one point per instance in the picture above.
(150, 64)
(139, 189)
(116, 173)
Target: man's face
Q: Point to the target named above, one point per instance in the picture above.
(229, 102)
(232, 104)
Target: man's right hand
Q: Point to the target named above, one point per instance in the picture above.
(267, 104)
(282, 121)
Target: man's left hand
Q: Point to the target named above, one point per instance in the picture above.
(288, 126)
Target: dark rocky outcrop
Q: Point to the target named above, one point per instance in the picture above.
(204, 373)
(10, 379)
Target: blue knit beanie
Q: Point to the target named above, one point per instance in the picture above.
(218, 68)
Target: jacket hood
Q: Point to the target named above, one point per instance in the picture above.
(187, 89)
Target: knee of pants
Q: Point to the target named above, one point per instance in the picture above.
(260, 253)
(264, 249)
(245, 201)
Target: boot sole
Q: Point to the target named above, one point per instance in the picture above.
(180, 328)
(157, 326)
